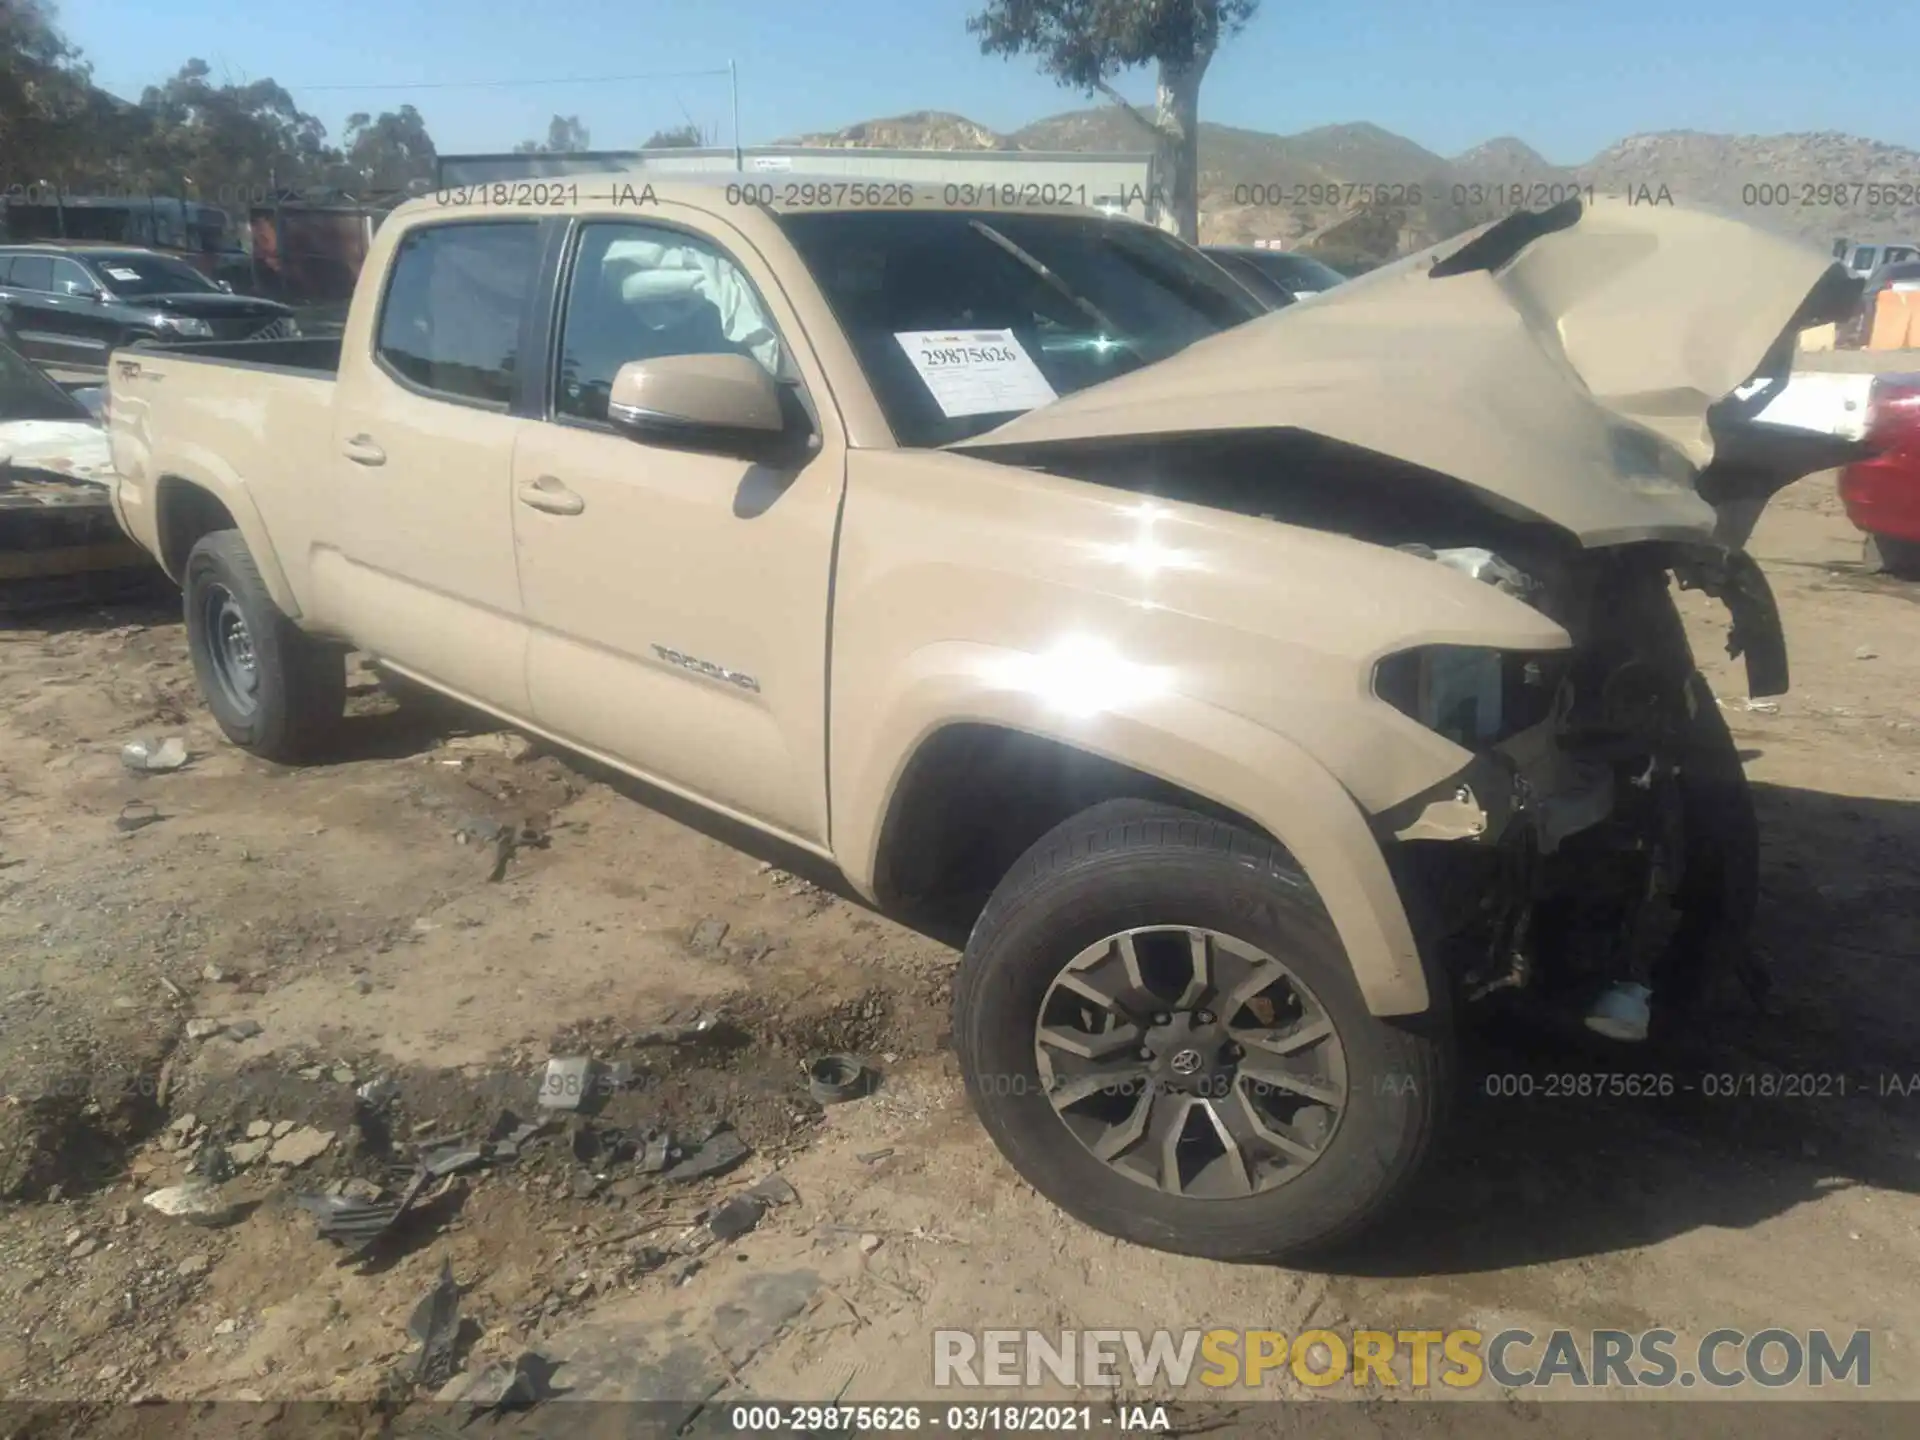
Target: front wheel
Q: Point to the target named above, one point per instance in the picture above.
(275, 690)
(1159, 1028)
(1884, 555)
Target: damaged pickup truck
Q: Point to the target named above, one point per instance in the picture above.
(1277, 688)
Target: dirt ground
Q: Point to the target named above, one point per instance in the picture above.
(334, 923)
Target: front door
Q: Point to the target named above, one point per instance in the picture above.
(677, 601)
(415, 555)
(75, 312)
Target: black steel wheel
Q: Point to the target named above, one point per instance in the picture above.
(275, 690)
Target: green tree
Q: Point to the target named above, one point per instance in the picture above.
(680, 137)
(390, 151)
(565, 135)
(205, 140)
(47, 99)
(1090, 43)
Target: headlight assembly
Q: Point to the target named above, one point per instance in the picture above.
(186, 325)
(1472, 695)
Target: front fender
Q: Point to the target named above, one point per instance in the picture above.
(1126, 715)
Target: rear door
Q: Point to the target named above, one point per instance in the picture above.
(417, 558)
(25, 299)
(678, 601)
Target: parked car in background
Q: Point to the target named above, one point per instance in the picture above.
(1882, 494)
(1895, 275)
(74, 304)
(1277, 277)
(1862, 260)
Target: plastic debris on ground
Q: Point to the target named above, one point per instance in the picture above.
(136, 815)
(715, 1155)
(833, 1079)
(435, 1323)
(357, 1224)
(197, 1201)
(503, 1386)
(148, 755)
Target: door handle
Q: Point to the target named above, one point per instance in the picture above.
(550, 495)
(362, 451)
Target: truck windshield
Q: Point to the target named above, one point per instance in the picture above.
(963, 319)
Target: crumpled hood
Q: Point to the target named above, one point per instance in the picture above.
(1561, 362)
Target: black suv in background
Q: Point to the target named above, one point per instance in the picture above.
(1277, 277)
(73, 304)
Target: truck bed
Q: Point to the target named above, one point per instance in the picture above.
(263, 409)
(317, 355)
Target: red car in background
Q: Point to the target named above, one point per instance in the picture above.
(1882, 495)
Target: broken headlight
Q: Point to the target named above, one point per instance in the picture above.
(1472, 695)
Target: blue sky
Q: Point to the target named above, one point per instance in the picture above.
(1567, 78)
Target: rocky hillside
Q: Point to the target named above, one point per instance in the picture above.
(1360, 192)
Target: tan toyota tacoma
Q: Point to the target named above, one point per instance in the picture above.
(1282, 687)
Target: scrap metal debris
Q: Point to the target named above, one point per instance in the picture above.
(510, 1133)
(444, 1160)
(435, 1323)
(357, 1224)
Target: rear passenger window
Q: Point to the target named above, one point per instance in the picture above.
(31, 272)
(455, 297)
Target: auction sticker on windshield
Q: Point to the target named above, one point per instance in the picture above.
(120, 272)
(976, 372)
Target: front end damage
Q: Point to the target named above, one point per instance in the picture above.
(1563, 405)
(1602, 831)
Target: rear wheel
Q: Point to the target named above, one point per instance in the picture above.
(1884, 555)
(275, 690)
(1160, 1029)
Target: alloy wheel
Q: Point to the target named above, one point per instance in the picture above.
(1191, 1061)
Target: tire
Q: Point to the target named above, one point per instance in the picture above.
(1719, 892)
(1884, 555)
(1126, 864)
(299, 684)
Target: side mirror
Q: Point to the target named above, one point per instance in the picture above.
(721, 404)
(225, 285)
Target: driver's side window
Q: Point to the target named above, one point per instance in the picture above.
(641, 292)
(70, 279)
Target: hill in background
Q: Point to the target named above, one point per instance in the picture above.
(1815, 187)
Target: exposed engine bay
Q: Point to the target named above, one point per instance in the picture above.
(1602, 831)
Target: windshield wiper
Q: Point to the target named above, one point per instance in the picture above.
(1051, 280)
